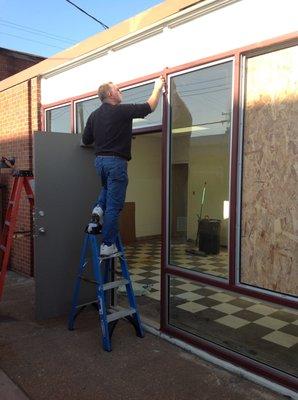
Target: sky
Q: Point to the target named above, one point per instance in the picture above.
(46, 27)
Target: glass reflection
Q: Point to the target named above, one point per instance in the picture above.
(58, 119)
(83, 110)
(139, 95)
(199, 173)
(263, 331)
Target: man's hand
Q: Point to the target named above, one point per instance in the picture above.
(159, 83)
(85, 145)
(153, 99)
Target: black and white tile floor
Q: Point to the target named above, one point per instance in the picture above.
(216, 265)
(264, 331)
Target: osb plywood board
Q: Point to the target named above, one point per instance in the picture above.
(269, 221)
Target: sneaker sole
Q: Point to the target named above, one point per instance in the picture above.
(117, 254)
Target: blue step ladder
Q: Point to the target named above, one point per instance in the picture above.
(103, 270)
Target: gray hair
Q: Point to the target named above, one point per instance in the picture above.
(103, 90)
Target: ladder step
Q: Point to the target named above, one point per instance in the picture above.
(109, 285)
(87, 304)
(88, 280)
(120, 314)
(7, 223)
(114, 284)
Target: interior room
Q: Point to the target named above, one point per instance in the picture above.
(140, 223)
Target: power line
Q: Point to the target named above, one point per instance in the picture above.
(35, 31)
(197, 81)
(89, 15)
(31, 40)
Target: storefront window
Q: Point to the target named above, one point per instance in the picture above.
(58, 119)
(140, 94)
(200, 124)
(83, 110)
(137, 94)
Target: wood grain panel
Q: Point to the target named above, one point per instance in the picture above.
(269, 230)
(127, 224)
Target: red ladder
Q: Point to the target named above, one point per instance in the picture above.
(21, 180)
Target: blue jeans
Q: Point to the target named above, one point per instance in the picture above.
(113, 173)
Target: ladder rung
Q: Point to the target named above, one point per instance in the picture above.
(109, 285)
(120, 314)
(2, 247)
(11, 202)
(114, 284)
(87, 304)
(7, 223)
(88, 280)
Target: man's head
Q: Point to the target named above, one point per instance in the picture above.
(109, 93)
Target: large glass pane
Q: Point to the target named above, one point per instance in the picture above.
(83, 110)
(199, 169)
(140, 94)
(260, 330)
(58, 119)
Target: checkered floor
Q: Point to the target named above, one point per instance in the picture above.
(263, 331)
(181, 255)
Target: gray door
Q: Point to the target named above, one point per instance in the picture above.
(66, 187)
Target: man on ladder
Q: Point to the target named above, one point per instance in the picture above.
(110, 129)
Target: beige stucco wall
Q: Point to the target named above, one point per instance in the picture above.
(144, 188)
(208, 161)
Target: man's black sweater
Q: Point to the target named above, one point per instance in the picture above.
(109, 127)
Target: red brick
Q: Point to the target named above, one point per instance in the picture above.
(17, 121)
(12, 62)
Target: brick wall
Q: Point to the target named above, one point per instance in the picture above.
(12, 62)
(19, 117)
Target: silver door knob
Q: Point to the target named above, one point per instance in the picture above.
(41, 229)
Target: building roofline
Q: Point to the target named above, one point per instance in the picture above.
(6, 50)
(130, 26)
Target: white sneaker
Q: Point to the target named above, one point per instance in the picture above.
(106, 250)
(91, 226)
(97, 214)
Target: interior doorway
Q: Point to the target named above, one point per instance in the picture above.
(140, 224)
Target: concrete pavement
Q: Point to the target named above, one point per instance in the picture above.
(46, 361)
